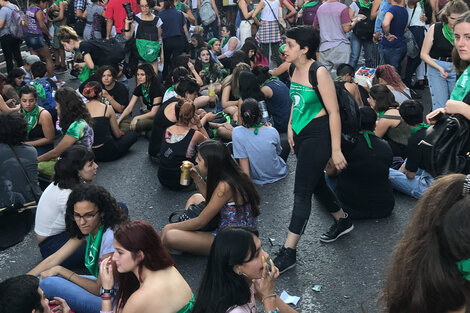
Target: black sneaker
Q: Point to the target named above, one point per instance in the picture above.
(339, 228)
(285, 259)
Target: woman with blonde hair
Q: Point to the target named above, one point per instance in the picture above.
(231, 90)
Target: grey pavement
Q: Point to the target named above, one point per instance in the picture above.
(350, 270)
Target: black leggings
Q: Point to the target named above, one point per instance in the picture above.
(313, 150)
(172, 48)
(11, 50)
(114, 149)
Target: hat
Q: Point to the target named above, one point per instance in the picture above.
(30, 59)
(210, 42)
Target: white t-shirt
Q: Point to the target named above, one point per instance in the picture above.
(50, 214)
(416, 21)
(107, 243)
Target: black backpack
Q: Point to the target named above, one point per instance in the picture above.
(348, 108)
(364, 29)
(112, 53)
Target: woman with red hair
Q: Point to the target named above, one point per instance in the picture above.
(387, 75)
(148, 279)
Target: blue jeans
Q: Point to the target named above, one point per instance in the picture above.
(441, 88)
(394, 57)
(35, 41)
(53, 243)
(77, 298)
(356, 45)
(415, 187)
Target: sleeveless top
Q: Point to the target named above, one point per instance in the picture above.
(102, 129)
(249, 7)
(36, 132)
(279, 104)
(33, 25)
(306, 105)
(160, 124)
(236, 215)
(400, 133)
(267, 14)
(441, 47)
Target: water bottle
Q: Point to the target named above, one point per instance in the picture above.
(264, 112)
(211, 93)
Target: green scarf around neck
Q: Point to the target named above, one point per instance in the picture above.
(226, 40)
(309, 4)
(256, 128)
(31, 116)
(269, 79)
(366, 134)
(448, 33)
(145, 93)
(380, 114)
(416, 128)
(362, 4)
(92, 254)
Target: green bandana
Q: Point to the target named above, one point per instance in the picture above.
(31, 116)
(149, 50)
(415, 129)
(269, 79)
(256, 128)
(40, 90)
(448, 33)
(178, 5)
(380, 114)
(145, 93)
(226, 39)
(86, 73)
(206, 68)
(92, 254)
(210, 42)
(361, 3)
(464, 268)
(309, 4)
(366, 134)
(462, 86)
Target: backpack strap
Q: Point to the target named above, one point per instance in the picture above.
(291, 69)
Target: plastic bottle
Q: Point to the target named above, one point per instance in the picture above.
(211, 93)
(264, 112)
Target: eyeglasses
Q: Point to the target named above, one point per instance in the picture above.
(87, 217)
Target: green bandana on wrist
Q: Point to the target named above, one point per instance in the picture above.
(415, 129)
(448, 33)
(31, 116)
(92, 254)
(464, 268)
(366, 134)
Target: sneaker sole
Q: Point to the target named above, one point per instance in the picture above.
(287, 268)
(341, 234)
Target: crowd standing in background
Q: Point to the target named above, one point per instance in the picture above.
(225, 91)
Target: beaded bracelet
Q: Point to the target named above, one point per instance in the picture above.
(275, 311)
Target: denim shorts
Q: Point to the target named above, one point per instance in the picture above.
(35, 41)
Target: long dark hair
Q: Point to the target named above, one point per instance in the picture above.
(150, 76)
(249, 87)
(72, 108)
(423, 276)
(139, 236)
(230, 248)
(14, 73)
(384, 98)
(71, 161)
(212, 66)
(113, 214)
(221, 167)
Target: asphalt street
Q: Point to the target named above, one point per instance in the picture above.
(350, 270)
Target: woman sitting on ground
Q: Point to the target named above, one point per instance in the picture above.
(229, 197)
(230, 90)
(387, 75)
(7, 104)
(390, 125)
(41, 130)
(150, 93)
(257, 146)
(236, 273)
(230, 44)
(208, 70)
(15, 80)
(91, 215)
(77, 165)
(173, 79)
(432, 258)
(145, 269)
(109, 142)
(76, 124)
(363, 186)
(179, 145)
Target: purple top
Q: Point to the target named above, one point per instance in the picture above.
(233, 215)
(330, 17)
(33, 25)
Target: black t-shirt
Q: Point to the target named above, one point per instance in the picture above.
(363, 185)
(95, 52)
(154, 91)
(414, 161)
(120, 93)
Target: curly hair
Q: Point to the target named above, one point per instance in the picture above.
(13, 128)
(71, 161)
(72, 108)
(390, 75)
(112, 214)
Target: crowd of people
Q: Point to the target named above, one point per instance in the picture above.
(233, 88)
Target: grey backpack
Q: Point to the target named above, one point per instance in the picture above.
(207, 13)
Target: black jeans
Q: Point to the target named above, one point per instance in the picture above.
(11, 49)
(115, 148)
(53, 243)
(313, 150)
(412, 65)
(172, 48)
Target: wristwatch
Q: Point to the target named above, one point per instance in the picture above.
(108, 291)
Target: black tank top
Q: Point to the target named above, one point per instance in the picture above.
(441, 47)
(36, 132)
(102, 129)
(160, 124)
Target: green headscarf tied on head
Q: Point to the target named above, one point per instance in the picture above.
(210, 42)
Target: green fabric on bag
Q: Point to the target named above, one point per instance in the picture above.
(462, 86)
(40, 90)
(148, 50)
(47, 167)
(86, 73)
